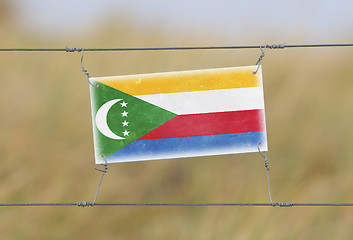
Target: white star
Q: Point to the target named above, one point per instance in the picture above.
(124, 114)
(123, 104)
(126, 133)
(125, 123)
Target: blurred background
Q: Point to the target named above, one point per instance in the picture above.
(46, 141)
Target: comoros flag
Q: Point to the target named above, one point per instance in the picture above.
(178, 114)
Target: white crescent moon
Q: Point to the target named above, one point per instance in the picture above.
(101, 120)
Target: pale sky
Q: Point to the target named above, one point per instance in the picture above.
(314, 21)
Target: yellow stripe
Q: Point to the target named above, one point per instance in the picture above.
(185, 81)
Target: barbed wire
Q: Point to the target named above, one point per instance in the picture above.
(89, 204)
(269, 46)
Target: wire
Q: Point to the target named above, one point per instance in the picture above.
(273, 46)
(87, 204)
(104, 171)
(35, 204)
(285, 204)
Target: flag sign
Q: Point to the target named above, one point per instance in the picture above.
(178, 114)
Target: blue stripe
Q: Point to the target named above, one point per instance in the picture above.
(190, 147)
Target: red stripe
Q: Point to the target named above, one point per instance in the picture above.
(210, 124)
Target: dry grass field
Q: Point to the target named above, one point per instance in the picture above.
(46, 146)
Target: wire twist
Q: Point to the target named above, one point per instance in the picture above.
(103, 172)
(263, 48)
(260, 59)
(276, 46)
(68, 49)
(82, 67)
(284, 204)
(84, 204)
(263, 154)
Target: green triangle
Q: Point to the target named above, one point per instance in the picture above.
(142, 118)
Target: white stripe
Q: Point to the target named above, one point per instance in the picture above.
(208, 101)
